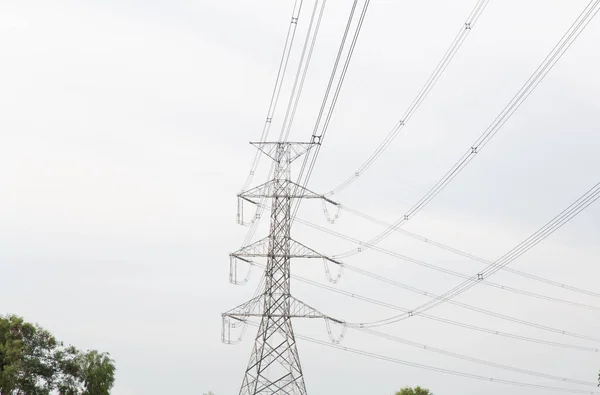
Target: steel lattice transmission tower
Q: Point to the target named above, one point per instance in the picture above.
(274, 366)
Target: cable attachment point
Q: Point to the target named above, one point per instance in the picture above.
(227, 335)
(473, 150)
(295, 20)
(479, 276)
(240, 212)
(329, 218)
(467, 25)
(233, 271)
(329, 323)
(332, 279)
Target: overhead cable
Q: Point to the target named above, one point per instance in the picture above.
(456, 44)
(322, 122)
(302, 71)
(438, 369)
(447, 271)
(542, 233)
(443, 370)
(467, 254)
(479, 361)
(445, 320)
(285, 57)
(538, 75)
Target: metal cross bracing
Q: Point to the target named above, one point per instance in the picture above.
(274, 366)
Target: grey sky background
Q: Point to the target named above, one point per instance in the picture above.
(124, 139)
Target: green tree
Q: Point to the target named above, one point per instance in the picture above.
(33, 362)
(414, 391)
(27, 358)
(97, 372)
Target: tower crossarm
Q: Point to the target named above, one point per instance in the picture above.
(260, 248)
(255, 308)
(274, 188)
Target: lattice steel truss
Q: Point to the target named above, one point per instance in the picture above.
(274, 366)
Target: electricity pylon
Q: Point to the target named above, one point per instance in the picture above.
(274, 366)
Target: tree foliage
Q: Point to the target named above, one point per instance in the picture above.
(414, 391)
(97, 372)
(33, 362)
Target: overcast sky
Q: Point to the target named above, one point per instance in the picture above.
(124, 132)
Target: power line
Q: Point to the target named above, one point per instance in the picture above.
(438, 369)
(302, 72)
(553, 57)
(443, 370)
(285, 57)
(410, 313)
(479, 361)
(550, 227)
(456, 44)
(445, 320)
(318, 136)
(466, 306)
(468, 255)
(444, 270)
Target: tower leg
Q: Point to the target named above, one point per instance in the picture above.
(274, 366)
